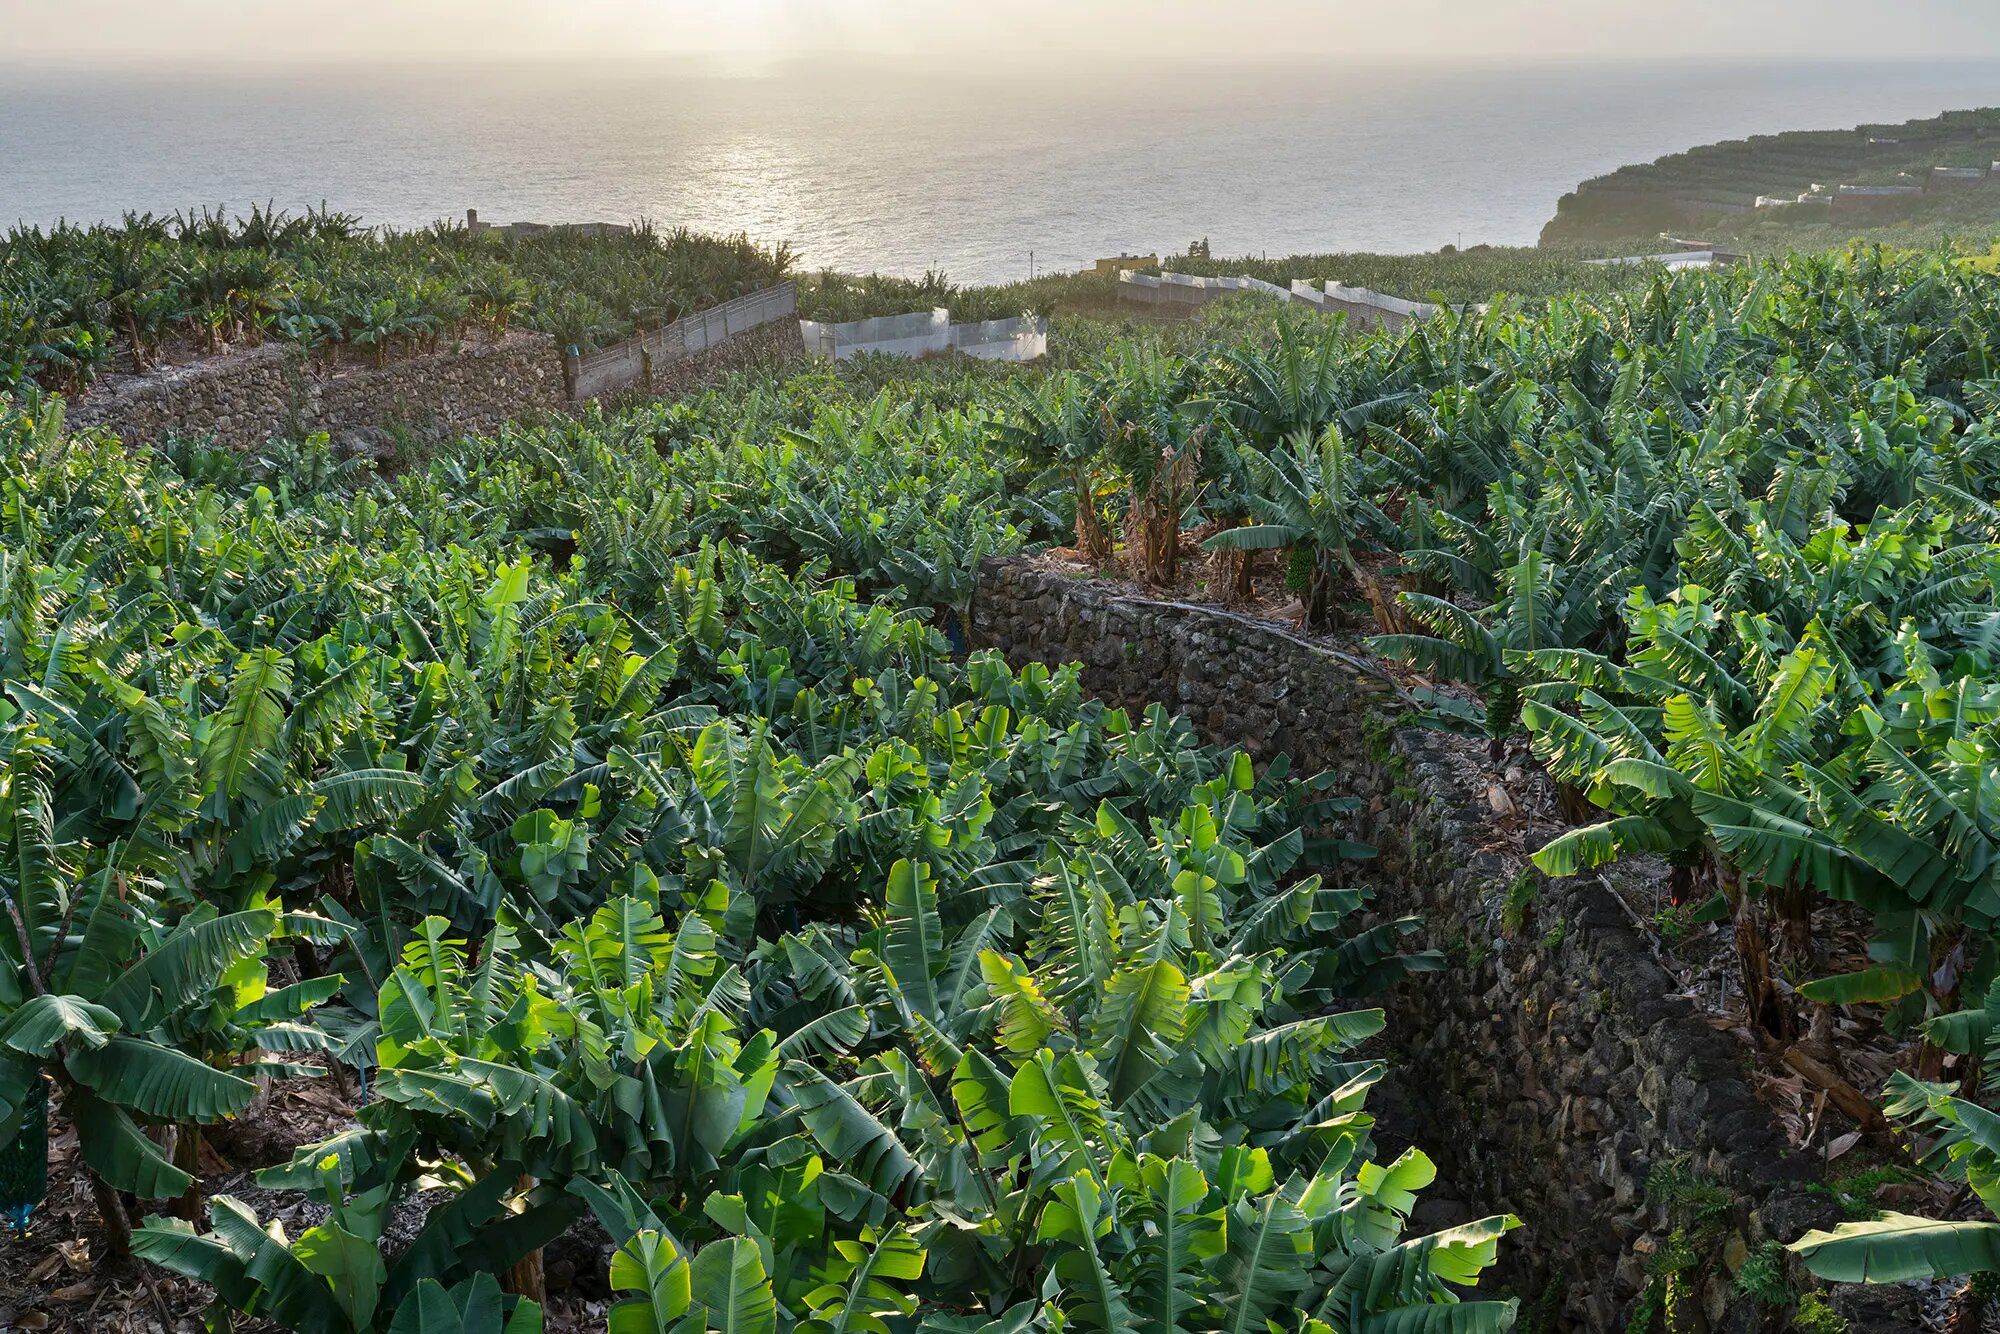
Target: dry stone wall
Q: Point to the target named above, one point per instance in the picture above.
(1550, 1070)
(245, 398)
(1243, 682)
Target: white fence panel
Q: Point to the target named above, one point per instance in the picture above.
(1185, 289)
(1140, 287)
(1024, 338)
(914, 335)
(1376, 310)
(1368, 309)
(1680, 259)
(1262, 288)
(622, 367)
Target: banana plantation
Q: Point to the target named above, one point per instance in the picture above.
(611, 803)
(78, 301)
(1724, 552)
(601, 806)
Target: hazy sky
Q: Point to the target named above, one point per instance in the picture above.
(968, 30)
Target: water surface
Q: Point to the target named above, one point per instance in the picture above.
(904, 166)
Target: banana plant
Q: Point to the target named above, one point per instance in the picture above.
(1538, 606)
(1310, 495)
(455, 1091)
(118, 999)
(332, 1278)
(1056, 424)
(1965, 1147)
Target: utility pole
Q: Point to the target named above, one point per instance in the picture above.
(1031, 266)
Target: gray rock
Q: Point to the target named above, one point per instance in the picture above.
(1887, 1310)
(370, 442)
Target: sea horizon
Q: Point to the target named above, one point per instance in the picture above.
(984, 170)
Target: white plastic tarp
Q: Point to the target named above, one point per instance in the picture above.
(1680, 259)
(1187, 289)
(1379, 305)
(1341, 294)
(914, 335)
(1376, 307)
(1262, 288)
(1024, 338)
(1140, 287)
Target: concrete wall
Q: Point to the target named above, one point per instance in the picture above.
(1549, 1070)
(245, 398)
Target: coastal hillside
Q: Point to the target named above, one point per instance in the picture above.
(1253, 819)
(1840, 182)
(950, 669)
(84, 310)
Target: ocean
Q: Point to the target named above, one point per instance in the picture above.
(905, 166)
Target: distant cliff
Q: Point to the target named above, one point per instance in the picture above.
(1809, 176)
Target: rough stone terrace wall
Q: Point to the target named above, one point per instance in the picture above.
(245, 398)
(1241, 681)
(1549, 1069)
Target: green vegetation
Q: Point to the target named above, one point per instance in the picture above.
(1698, 1212)
(605, 793)
(1725, 548)
(1961, 221)
(1763, 1276)
(1815, 1315)
(75, 301)
(1606, 515)
(1855, 1193)
(1890, 1247)
(1456, 277)
(1477, 274)
(1519, 901)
